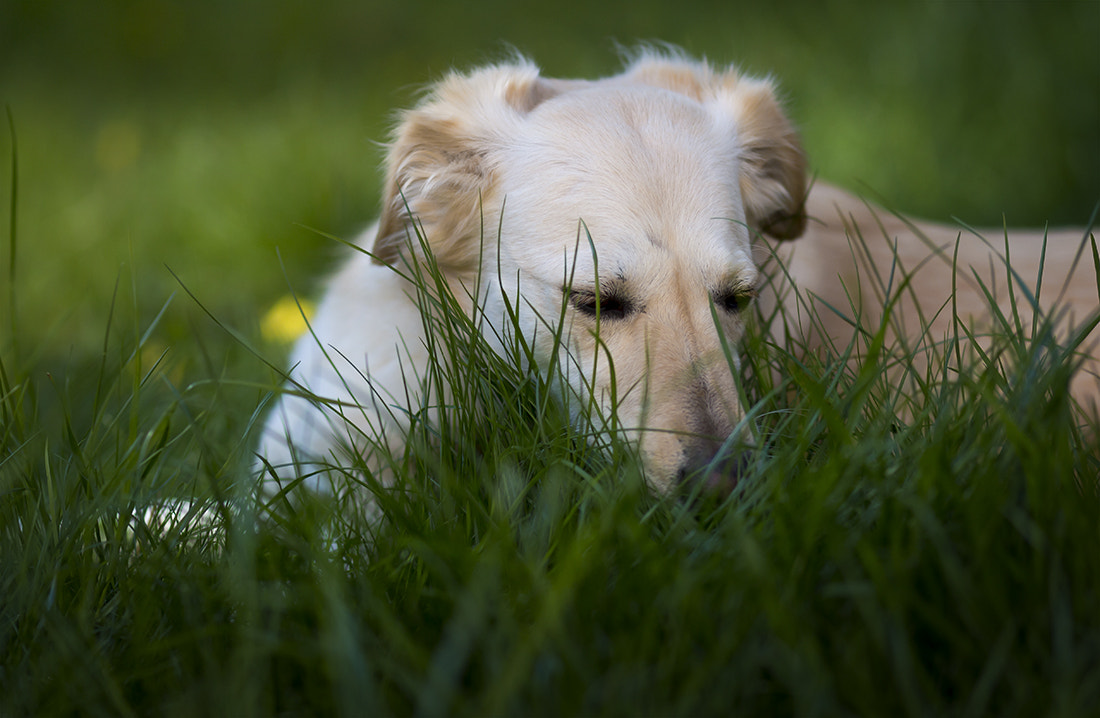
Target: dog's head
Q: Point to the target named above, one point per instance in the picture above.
(634, 200)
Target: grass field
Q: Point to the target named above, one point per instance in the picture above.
(170, 173)
(919, 548)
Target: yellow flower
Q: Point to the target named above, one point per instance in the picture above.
(286, 320)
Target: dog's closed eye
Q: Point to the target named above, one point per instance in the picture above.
(609, 306)
(733, 301)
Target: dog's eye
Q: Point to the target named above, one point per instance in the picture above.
(733, 301)
(610, 307)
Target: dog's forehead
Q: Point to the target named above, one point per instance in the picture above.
(607, 127)
(639, 170)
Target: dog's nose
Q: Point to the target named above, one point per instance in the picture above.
(716, 467)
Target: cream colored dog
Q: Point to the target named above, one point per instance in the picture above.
(636, 201)
(852, 251)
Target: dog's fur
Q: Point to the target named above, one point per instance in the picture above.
(673, 170)
(854, 253)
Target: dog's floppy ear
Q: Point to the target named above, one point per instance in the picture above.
(439, 169)
(773, 165)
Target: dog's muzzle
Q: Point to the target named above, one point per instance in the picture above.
(717, 467)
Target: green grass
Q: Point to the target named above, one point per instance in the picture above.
(922, 550)
(923, 547)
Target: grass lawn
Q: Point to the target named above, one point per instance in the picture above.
(914, 547)
(917, 548)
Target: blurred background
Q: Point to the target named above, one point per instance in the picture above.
(206, 144)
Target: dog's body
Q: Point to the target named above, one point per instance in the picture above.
(633, 203)
(853, 256)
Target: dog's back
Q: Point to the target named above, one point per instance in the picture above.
(855, 258)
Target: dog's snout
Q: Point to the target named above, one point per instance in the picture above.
(716, 466)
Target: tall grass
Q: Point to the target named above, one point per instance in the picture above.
(922, 550)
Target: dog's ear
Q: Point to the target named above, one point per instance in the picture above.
(671, 71)
(773, 165)
(439, 169)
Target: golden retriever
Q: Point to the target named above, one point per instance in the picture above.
(630, 207)
(853, 256)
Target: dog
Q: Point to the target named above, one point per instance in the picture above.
(620, 225)
(848, 267)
